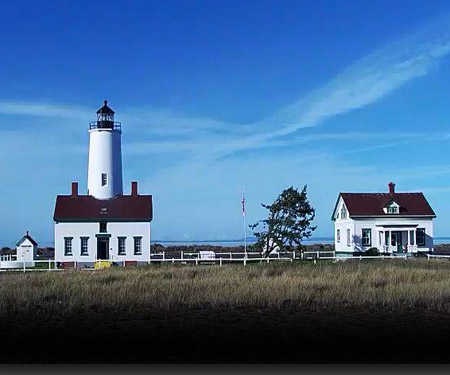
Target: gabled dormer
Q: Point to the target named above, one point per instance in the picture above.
(392, 208)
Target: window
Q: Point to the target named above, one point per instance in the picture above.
(343, 212)
(420, 237)
(122, 249)
(392, 210)
(104, 179)
(367, 237)
(68, 245)
(394, 239)
(84, 245)
(348, 237)
(103, 227)
(338, 235)
(137, 245)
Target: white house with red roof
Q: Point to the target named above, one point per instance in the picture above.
(394, 223)
(103, 224)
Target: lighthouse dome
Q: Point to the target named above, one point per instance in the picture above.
(105, 108)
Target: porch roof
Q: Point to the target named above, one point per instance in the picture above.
(399, 228)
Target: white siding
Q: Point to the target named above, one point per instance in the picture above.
(343, 225)
(375, 225)
(356, 227)
(26, 251)
(115, 229)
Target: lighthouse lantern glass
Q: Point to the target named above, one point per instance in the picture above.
(105, 117)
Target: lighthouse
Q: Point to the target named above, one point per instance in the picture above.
(105, 155)
(104, 224)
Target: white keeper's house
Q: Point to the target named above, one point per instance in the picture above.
(105, 223)
(395, 223)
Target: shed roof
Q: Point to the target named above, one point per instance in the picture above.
(26, 237)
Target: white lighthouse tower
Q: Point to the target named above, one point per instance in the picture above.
(105, 155)
(104, 224)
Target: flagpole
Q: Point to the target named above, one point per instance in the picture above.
(245, 221)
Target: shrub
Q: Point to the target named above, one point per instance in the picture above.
(373, 251)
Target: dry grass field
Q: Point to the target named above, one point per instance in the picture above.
(352, 311)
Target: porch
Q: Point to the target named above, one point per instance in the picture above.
(401, 239)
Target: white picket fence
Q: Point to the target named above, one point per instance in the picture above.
(8, 263)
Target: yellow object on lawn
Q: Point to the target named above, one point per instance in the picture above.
(100, 264)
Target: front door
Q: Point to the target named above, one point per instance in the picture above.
(396, 241)
(102, 248)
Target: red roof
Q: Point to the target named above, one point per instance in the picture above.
(372, 204)
(88, 208)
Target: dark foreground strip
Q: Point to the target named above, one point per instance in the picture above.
(286, 335)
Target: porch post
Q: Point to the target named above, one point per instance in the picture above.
(387, 240)
(408, 245)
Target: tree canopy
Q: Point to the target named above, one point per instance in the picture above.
(288, 223)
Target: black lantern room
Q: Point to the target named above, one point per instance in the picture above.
(105, 117)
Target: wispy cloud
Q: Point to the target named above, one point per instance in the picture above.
(43, 110)
(363, 83)
(368, 80)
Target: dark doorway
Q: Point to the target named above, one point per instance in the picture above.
(102, 248)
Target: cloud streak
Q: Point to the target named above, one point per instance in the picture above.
(368, 80)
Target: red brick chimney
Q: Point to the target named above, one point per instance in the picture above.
(134, 188)
(74, 189)
(391, 189)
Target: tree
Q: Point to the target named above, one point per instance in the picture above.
(288, 223)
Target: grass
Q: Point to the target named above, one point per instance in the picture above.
(387, 284)
(354, 311)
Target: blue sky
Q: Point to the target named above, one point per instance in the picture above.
(214, 95)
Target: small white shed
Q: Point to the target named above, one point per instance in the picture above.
(26, 249)
(206, 254)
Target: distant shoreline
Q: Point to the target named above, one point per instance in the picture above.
(312, 241)
(230, 243)
(239, 242)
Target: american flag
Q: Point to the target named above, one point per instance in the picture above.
(243, 204)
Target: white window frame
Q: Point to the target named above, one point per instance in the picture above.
(349, 242)
(338, 235)
(343, 212)
(366, 240)
(68, 246)
(121, 244)
(392, 210)
(84, 246)
(421, 244)
(137, 245)
(104, 180)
